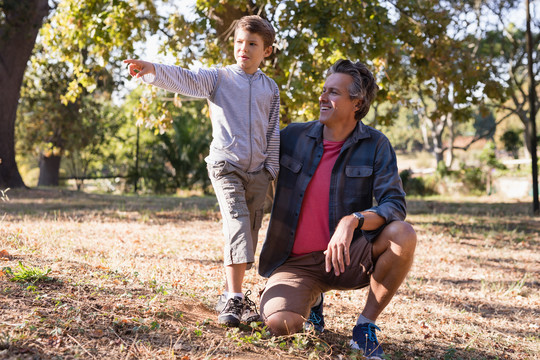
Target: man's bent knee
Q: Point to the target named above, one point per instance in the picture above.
(285, 323)
(403, 234)
(398, 233)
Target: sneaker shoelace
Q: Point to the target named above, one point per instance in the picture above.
(234, 305)
(250, 303)
(371, 328)
(314, 318)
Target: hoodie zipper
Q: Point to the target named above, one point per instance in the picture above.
(250, 78)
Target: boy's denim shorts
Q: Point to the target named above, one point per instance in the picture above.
(296, 285)
(241, 198)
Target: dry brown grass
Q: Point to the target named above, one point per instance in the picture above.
(137, 278)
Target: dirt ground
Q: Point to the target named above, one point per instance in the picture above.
(91, 276)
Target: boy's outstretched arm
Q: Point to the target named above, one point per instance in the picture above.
(139, 68)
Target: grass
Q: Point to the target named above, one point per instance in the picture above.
(123, 277)
(25, 274)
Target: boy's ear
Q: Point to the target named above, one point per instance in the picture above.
(268, 51)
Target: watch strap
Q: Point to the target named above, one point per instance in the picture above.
(360, 218)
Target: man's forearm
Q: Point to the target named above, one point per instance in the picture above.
(372, 221)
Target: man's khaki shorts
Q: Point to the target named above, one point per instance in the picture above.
(296, 285)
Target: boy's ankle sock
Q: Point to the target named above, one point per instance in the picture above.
(362, 320)
(230, 295)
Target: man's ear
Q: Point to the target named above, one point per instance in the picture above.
(358, 104)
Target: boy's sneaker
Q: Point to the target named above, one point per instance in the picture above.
(222, 301)
(316, 318)
(232, 312)
(250, 313)
(364, 339)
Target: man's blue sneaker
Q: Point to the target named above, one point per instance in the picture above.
(364, 339)
(316, 318)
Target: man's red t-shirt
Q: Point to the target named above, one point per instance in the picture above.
(313, 231)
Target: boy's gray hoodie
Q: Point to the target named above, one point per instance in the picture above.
(244, 110)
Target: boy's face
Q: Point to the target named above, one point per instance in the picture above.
(249, 50)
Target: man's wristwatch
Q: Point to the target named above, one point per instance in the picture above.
(360, 218)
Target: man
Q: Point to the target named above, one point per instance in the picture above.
(324, 232)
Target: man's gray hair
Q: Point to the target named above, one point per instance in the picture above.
(363, 86)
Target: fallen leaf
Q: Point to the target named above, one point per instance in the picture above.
(4, 255)
(96, 333)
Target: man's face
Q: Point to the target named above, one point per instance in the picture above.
(249, 50)
(335, 104)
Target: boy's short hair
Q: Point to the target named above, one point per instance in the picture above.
(363, 86)
(257, 25)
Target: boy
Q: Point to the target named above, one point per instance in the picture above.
(244, 154)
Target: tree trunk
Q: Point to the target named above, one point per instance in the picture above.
(527, 133)
(450, 150)
(18, 31)
(436, 129)
(49, 169)
(425, 137)
(532, 106)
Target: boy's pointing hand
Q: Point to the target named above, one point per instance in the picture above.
(139, 68)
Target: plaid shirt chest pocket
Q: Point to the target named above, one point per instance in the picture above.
(358, 181)
(289, 171)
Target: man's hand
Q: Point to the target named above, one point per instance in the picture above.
(139, 68)
(337, 253)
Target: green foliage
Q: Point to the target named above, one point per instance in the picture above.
(27, 274)
(310, 37)
(403, 133)
(171, 159)
(186, 146)
(488, 158)
(415, 185)
(505, 46)
(512, 141)
(473, 179)
(485, 125)
(100, 33)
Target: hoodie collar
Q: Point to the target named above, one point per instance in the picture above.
(237, 69)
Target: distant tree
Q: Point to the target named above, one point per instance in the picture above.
(53, 128)
(439, 68)
(512, 141)
(516, 73)
(509, 85)
(485, 125)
